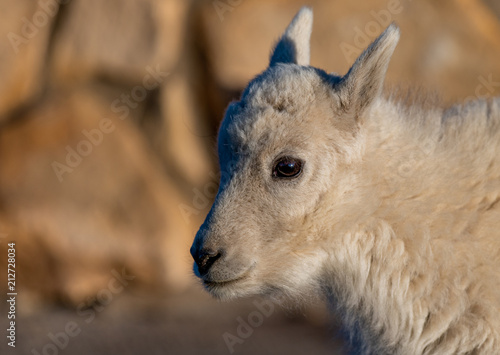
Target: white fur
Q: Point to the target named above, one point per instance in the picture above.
(395, 216)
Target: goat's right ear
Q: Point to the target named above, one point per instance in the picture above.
(293, 46)
(363, 83)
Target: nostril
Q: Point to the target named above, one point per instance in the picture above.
(205, 260)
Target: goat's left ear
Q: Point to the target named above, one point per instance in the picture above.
(363, 83)
(293, 46)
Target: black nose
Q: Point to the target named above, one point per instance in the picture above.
(205, 258)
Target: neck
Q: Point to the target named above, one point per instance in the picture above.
(373, 286)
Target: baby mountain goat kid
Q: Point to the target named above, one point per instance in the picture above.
(390, 210)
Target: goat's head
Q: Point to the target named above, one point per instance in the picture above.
(291, 140)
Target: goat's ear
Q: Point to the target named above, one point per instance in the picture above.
(293, 46)
(363, 83)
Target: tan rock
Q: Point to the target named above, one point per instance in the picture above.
(85, 197)
(118, 39)
(25, 29)
(184, 134)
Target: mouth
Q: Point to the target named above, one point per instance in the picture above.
(214, 284)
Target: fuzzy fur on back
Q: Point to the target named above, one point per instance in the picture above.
(394, 217)
(424, 253)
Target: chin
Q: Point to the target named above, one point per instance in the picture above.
(230, 290)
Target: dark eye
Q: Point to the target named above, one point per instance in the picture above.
(287, 167)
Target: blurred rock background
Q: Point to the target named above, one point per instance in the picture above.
(108, 119)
